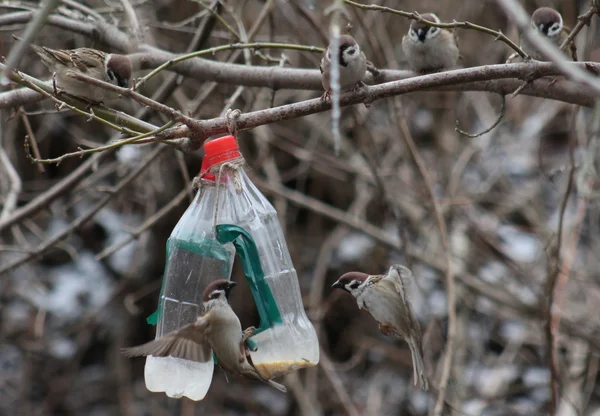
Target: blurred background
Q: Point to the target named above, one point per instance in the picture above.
(67, 310)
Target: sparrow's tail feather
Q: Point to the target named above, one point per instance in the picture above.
(278, 386)
(48, 58)
(419, 373)
(251, 372)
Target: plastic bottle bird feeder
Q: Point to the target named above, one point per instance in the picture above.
(286, 340)
(194, 259)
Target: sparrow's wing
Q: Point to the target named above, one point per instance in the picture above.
(188, 342)
(85, 59)
(401, 277)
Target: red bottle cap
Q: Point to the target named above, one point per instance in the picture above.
(218, 151)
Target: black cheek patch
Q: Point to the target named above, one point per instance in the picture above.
(341, 58)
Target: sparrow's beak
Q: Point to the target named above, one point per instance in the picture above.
(421, 34)
(230, 285)
(338, 285)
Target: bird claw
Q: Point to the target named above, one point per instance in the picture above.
(244, 348)
(248, 332)
(326, 95)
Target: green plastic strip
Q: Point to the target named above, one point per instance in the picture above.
(206, 247)
(261, 292)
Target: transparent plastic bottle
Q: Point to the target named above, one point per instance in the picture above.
(194, 259)
(291, 344)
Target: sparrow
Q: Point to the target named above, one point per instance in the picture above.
(385, 298)
(112, 68)
(428, 48)
(549, 23)
(352, 66)
(217, 328)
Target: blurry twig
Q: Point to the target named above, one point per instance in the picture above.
(551, 331)
(464, 25)
(335, 10)
(42, 248)
(144, 226)
(84, 9)
(344, 398)
(450, 284)
(234, 46)
(130, 300)
(35, 25)
(136, 29)
(494, 124)
(11, 197)
(364, 195)
(306, 405)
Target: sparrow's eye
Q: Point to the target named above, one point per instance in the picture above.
(355, 284)
(214, 294)
(554, 29)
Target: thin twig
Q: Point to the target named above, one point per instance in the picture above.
(111, 146)
(31, 138)
(494, 124)
(583, 20)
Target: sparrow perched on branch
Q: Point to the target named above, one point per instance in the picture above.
(385, 297)
(112, 68)
(352, 65)
(429, 48)
(549, 23)
(218, 328)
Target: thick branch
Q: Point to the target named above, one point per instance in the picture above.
(447, 80)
